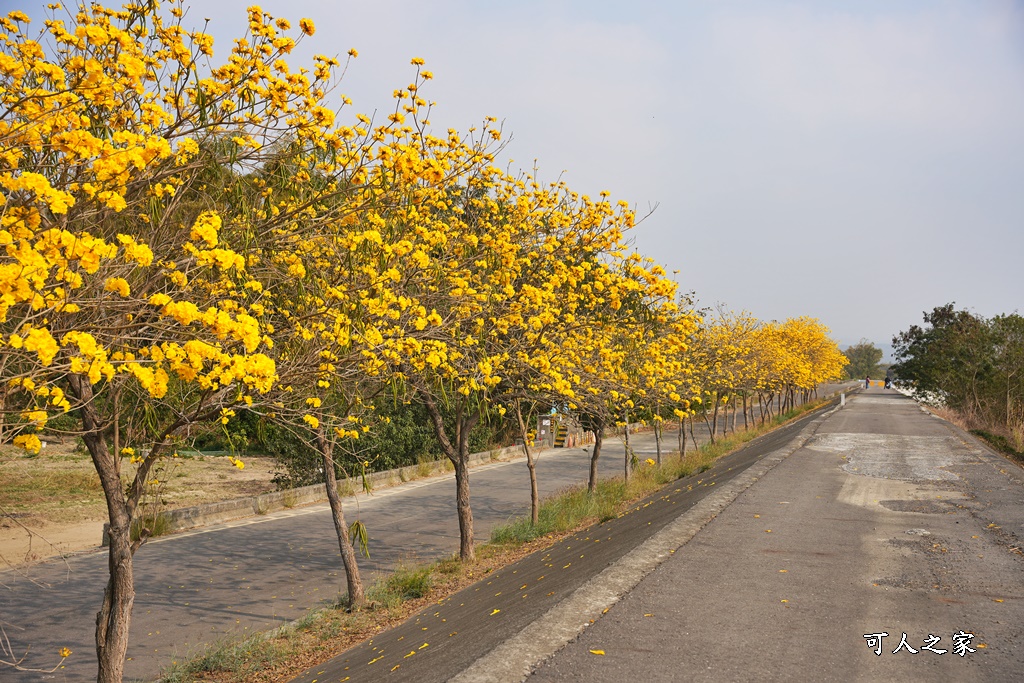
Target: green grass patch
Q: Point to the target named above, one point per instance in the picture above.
(564, 511)
(239, 660)
(405, 583)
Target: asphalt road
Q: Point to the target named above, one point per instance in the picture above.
(227, 580)
(887, 521)
(200, 587)
(445, 639)
(223, 581)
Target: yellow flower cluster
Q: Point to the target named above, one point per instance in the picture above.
(218, 234)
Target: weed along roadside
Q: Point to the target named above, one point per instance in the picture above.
(601, 527)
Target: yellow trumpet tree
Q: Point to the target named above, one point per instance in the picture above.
(356, 309)
(130, 288)
(632, 323)
(574, 284)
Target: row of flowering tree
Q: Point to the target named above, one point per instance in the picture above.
(185, 238)
(758, 368)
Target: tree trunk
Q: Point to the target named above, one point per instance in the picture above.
(466, 550)
(113, 621)
(746, 425)
(628, 449)
(657, 439)
(682, 437)
(711, 430)
(458, 454)
(531, 466)
(464, 426)
(692, 437)
(725, 419)
(354, 583)
(714, 418)
(595, 454)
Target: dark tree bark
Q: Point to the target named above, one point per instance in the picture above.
(113, 621)
(711, 430)
(531, 466)
(657, 439)
(598, 426)
(354, 584)
(629, 451)
(458, 454)
(681, 437)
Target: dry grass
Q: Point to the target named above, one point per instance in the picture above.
(60, 485)
(1008, 439)
(962, 421)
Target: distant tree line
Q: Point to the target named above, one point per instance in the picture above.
(974, 365)
(865, 361)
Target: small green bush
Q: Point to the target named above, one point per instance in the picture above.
(406, 583)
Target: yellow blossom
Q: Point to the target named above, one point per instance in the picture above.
(29, 442)
(117, 285)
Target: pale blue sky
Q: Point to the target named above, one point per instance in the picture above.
(855, 161)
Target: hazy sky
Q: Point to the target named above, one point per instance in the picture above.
(859, 161)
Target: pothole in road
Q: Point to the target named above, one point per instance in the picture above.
(926, 507)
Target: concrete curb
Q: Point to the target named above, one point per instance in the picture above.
(515, 658)
(183, 519)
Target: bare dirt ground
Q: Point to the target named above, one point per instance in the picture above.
(52, 503)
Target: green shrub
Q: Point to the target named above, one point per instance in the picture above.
(406, 583)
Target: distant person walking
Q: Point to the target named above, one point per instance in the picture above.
(867, 381)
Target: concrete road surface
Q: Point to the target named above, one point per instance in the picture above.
(887, 521)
